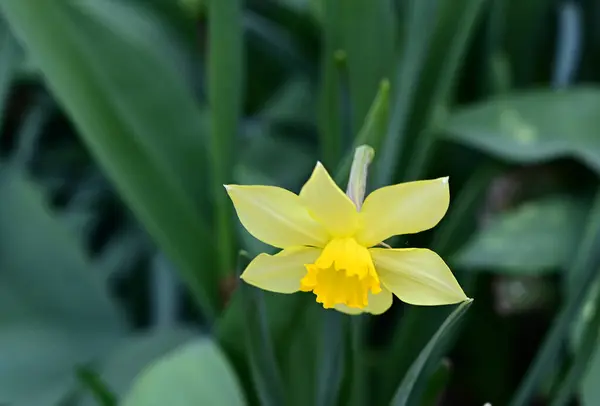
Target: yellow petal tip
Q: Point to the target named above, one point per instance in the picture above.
(446, 180)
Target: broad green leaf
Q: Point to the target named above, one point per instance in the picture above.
(533, 126)
(39, 360)
(194, 374)
(44, 269)
(124, 99)
(55, 312)
(225, 85)
(132, 354)
(404, 391)
(538, 236)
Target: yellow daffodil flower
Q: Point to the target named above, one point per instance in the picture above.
(330, 246)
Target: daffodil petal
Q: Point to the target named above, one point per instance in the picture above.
(328, 204)
(405, 208)
(276, 216)
(281, 272)
(417, 276)
(353, 311)
(378, 304)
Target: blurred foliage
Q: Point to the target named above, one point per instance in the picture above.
(122, 119)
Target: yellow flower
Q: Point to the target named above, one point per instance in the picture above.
(329, 246)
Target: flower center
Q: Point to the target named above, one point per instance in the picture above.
(343, 274)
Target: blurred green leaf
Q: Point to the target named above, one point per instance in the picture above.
(456, 26)
(9, 62)
(405, 389)
(415, 38)
(124, 97)
(31, 131)
(44, 270)
(419, 323)
(354, 388)
(259, 347)
(584, 267)
(225, 86)
(293, 102)
(38, 360)
(528, 40)
(269, 157)
(585, 359)
(437, 384)
(330, 354)
(55, 312)
(102, 395)
(589, 365)
(353, 30)
(372, 131)
(357, 29)
(194, 374)
(533, 126)
(119, 368)
(536, 237)
(298, 368)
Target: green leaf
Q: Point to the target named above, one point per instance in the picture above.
(437, 384)
(331, 353)
(416, 35)
(37, 256)
(225, 84)
(298, 369)
(353, 30)
(55, 311)
(9, 57)
(456, 26)
(431, 350)
(293, 102)
(589, 365)
(419, 323)
(259, 347)
(102, 395)
(124, 96)
(119, 368)
(585, 359)
(195, 374)
(538, 236)
(534, 126)
(373, 129)
(584, 268)
(38, 360)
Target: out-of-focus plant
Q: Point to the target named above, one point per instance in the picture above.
(120, 254)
